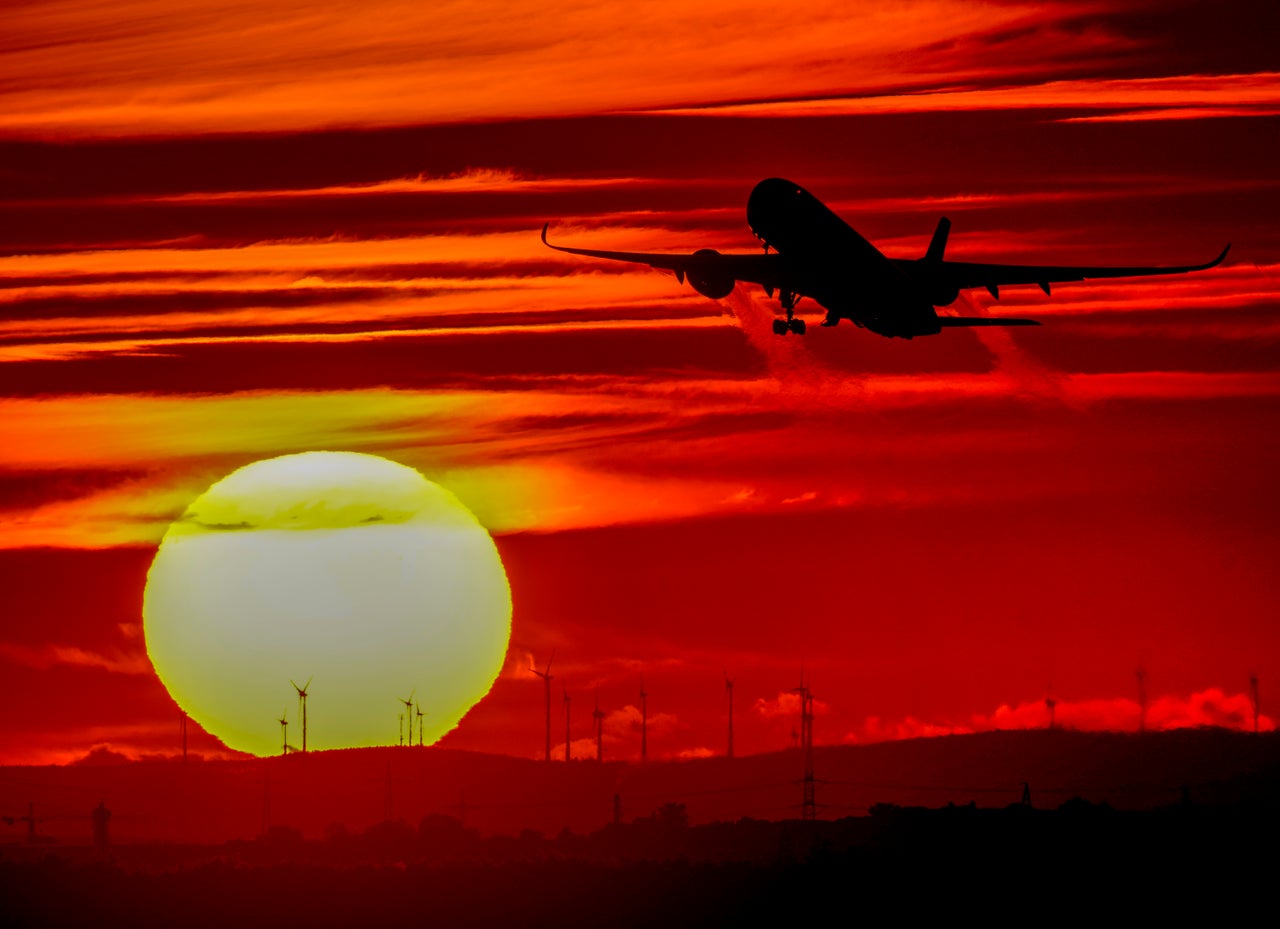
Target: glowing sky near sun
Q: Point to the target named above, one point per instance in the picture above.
(254, 234)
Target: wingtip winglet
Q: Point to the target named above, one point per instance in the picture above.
(1221, 258)
(545, 227)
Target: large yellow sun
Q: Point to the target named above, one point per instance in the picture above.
(344, 569)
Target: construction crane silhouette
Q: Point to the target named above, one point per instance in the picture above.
(284, 732)
(567, 698)
(302, 708)
(644, 722)
(597, 717)
(30, 819)
(546, 681)
(728, 686)
(408, 708)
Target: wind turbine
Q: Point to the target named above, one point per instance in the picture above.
(284, 732)
(421, 714)
(546, 680)
(728, 686)
(408, 707)
(302, 708)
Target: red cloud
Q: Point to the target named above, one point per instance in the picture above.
(1210, 707)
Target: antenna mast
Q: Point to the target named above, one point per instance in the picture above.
(809, 806)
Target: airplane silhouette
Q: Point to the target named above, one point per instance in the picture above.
(818, 255)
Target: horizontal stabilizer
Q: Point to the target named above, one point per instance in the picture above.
(946, 321)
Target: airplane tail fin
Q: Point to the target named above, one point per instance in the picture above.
(949, 321)
(938, 244)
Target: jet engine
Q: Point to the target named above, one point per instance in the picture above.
(942, 293)
(715, 286)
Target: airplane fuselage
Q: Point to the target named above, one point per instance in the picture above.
(867, 288)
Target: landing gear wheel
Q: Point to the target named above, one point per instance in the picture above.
(780, 327)
(796, 326)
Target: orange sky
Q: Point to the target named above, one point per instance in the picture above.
(253, 234)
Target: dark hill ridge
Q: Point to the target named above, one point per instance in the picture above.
(214, 801)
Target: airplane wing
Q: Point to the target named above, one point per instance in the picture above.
(705, 264)
(963, 274)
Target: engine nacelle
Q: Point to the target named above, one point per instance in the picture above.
(715, 286)
(941, 294)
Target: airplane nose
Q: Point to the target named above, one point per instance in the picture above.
(772, 188)
(766, 199)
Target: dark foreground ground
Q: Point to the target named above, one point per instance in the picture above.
(1079, 861)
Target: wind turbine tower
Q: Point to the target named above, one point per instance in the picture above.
(644, 723)
(284, 732)
(546, 681)
(728, 686)
(567, 698)
(418, 710)
(597, 717)
(302, 708)
(1051, 704)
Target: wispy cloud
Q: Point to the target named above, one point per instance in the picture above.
(1192, 96)
(44, 657)
(210, 66)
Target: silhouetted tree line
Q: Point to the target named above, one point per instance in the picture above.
(898, 862)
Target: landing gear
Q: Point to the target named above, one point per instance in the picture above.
(788, 300)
